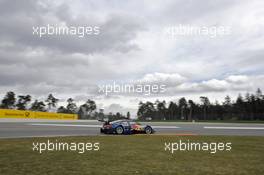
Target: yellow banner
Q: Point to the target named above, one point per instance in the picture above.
(11, 113)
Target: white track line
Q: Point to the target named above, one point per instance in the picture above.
(226, 127)
(44, 124)
(94, 126)
(44, 136)
(165, 127)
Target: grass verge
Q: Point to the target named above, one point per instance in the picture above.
(136, 154)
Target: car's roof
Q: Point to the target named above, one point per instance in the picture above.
(124, 120)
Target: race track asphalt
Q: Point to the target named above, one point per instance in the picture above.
(20, 128)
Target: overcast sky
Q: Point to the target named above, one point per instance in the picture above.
(131, 46)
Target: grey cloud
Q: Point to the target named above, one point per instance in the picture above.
(115, 33)
(130, 47)
(18, 6)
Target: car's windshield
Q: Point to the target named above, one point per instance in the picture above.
(134, 123)
(117, 121)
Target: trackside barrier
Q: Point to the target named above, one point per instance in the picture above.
(11, 113)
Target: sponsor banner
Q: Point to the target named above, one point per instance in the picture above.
(10, 113)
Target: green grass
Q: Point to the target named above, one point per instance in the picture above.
(137, 154)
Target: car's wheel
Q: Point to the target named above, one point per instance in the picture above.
(148, 130)
(119, 130)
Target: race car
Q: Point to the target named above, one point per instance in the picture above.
(125, 127)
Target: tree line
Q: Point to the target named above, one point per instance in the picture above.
(84, 111)
(247, 107)
(23, 102)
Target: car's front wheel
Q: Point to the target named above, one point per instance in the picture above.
(148, 130)
(119, 130)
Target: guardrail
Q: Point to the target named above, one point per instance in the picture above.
(11, 113)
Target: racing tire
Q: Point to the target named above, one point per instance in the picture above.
(148, 130)
(119, 130)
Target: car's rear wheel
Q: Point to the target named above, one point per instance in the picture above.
(148, 130)
(119, 130)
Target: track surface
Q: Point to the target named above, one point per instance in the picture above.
(19, 128)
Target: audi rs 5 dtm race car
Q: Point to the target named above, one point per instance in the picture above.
(125, 127)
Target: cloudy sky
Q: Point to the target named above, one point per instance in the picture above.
(131, 46)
